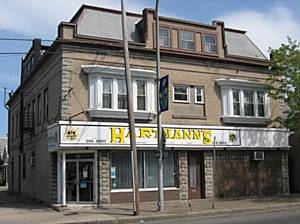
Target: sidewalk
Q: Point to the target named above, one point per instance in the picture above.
(14, 209)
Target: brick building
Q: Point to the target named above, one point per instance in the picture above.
(68, 132)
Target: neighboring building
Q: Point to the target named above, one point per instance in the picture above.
(68, 132)
(294, 156)
(3, 161)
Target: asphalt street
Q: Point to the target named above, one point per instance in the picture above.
(275, 217)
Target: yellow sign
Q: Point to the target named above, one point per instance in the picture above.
(118, 134)
(71, 134)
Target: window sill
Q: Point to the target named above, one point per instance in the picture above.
(192, 117)
(120, 114)
(181, 101)
(245, 120)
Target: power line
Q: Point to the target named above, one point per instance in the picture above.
(20, 39)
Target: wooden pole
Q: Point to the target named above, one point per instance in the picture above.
(135, 176)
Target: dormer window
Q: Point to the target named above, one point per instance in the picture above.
(210, 44)
(164, 37)
(187, 40)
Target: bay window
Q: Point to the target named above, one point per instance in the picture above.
(108, 94)
(243, 101)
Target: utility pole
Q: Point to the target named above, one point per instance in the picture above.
(159, 128)
(135, 176)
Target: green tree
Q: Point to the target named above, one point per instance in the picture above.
(284, 81)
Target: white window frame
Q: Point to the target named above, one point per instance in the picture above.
(187, 93)
(208, 46)
(186, 40)
(102, 92)
(228, 103)
(202, 95)
(161, 43)
(96, 93)
(227, 85)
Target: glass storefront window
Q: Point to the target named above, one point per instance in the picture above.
(121, 173)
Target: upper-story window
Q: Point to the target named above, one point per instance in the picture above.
(243, 101)
(187, 40)
(39, 109)
(210, 44)
(141, 95)
(108, 92)
(164, 37)
(181, 93)
(122, 94)
(236, 102)
(199, 94)
(46, 104)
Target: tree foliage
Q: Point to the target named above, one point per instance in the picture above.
(284, 81)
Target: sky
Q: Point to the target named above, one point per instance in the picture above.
(268, 23)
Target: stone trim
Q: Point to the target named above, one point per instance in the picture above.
(104, 177)
(208, 172)
(183, 175)
(66, 86)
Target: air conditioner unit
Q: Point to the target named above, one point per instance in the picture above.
(258, 155)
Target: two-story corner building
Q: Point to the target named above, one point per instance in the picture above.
(68, 132)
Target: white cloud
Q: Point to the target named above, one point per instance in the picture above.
(266, 28)
(40, 18)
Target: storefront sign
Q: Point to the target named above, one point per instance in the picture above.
(111, 136)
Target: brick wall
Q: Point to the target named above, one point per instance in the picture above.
(126, 197)
(239, 176)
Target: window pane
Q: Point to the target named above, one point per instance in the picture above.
(199, 94)
(169, 178)
(181, 93)
(187, 40)
(164, 37)
(236, 102)
(141, 95)
(261, 104)
(121, 177)
(107, 93)
(122, 96)
(151, 171)
(248, 103)
(210, 44)
(192, 172)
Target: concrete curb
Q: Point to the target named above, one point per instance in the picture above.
(164, 216)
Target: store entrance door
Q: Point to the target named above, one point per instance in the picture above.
(196, 175)
(79, 181)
